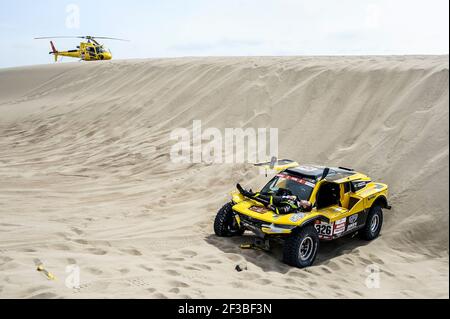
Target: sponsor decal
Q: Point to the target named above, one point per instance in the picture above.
(258, 209)
(339, 226)
(352, 219)
(352, 222)
(296, 217)
(360, 184)
(298, 180)
(326, 231)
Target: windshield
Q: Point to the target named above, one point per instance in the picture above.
(300, 187)
(100, 50)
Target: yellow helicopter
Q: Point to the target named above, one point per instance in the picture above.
(86, 51)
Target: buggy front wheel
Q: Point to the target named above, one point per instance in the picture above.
(300, 249)
(225, 224)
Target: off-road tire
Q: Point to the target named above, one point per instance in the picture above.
(292, 254)
(370, 232)
(225, 223)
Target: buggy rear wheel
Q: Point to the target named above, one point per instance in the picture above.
(373, 224)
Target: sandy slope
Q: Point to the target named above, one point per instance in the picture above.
(86, 177)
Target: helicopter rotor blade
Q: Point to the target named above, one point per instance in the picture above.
(88, 37)
(60, 37)
(107, 38)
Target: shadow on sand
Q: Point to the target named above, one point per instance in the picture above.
(273, 260)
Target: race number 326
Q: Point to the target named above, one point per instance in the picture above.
(324, 229)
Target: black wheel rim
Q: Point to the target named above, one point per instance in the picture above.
(374, 223)
(233, 226)
(306, 248)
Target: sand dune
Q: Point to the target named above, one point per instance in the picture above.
(86, 177)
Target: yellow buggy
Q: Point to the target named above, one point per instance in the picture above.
(339, 201)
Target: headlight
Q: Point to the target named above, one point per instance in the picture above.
(235, 197)
(278, 229)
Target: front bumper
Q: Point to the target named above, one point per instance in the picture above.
(261, 228)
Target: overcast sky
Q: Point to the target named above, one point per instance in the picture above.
(170, 28)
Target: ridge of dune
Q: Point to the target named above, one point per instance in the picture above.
(87, 179)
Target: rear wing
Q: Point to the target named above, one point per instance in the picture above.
(276, 165)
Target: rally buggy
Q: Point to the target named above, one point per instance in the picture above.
(331, 203)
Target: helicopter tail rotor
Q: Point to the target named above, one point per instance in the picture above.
(54, 51)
